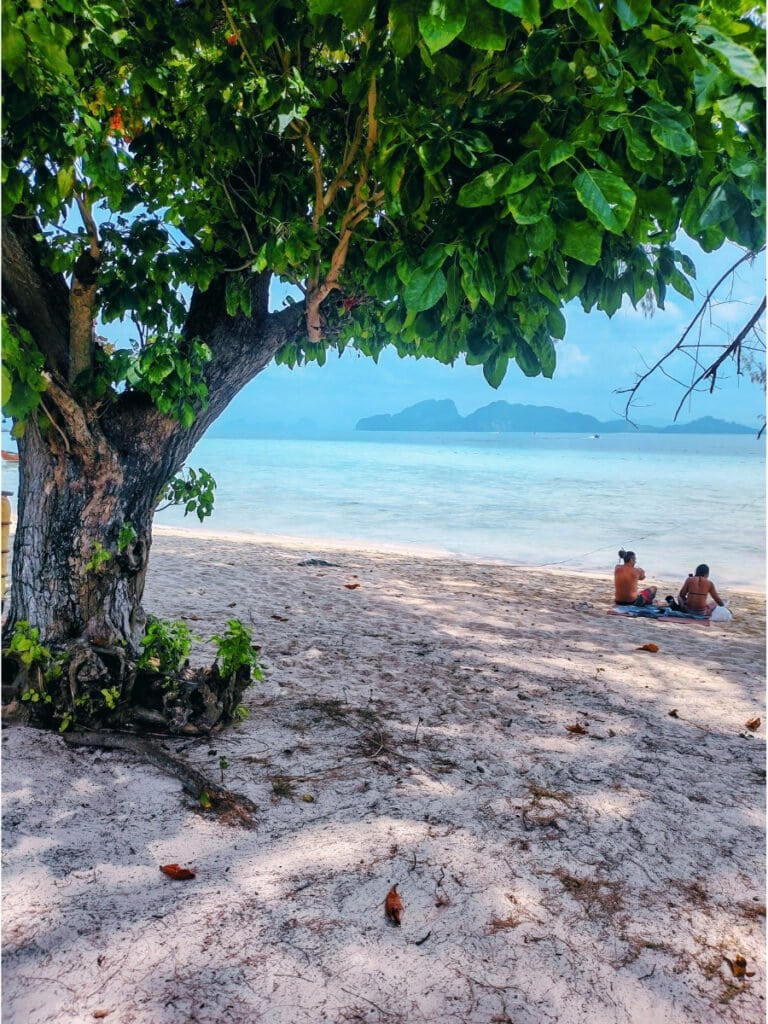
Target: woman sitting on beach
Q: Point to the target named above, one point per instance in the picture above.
(625, 579)
(698, 592)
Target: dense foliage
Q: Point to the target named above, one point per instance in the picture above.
(449, 172)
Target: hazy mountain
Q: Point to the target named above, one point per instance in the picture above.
(503, 417)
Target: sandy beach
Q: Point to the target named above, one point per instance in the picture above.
(575, 825)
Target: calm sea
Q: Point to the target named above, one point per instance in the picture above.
(536, 500)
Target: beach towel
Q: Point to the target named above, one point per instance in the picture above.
(658, 614)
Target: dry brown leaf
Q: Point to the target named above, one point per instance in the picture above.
(100, 1014)
(653, 648)
(177, 872)
(753, 724)
(351, 586)
(393, 906)
(673, 713)
(577, 728)
(739, 967)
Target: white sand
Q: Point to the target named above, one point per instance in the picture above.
(547, 876)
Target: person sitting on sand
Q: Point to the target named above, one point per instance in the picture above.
(698, 593)
(625, 579)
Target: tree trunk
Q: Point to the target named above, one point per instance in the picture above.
(85, 508)
(70, 577)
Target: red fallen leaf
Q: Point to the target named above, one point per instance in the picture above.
(232, 40)
(351, 586)
(578, 728)
(100, 1014)
(178, 873)
(739, 967)
(753, 724)
(653, 648)
(393, 906)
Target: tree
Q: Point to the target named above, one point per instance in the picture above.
(438, 175)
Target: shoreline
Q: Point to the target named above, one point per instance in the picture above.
(314, 544)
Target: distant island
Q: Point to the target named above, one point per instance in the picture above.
(503, 417)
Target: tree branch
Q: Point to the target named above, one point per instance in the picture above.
(35, 297)
(82, 297)
(358, 208)
(732, 349)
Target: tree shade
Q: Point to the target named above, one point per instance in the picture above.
(439, 175)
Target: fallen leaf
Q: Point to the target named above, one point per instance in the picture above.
(351, 586)
(176, 872)
(99, 1014)
(308, 798)
(578, 728)
(653, 648)
(673, 713)
(205, 800)
(393, 906)
(753, 724)
(739, 967)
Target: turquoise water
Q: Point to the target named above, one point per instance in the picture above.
(535, 500)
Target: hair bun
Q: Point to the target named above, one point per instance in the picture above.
(622, 552)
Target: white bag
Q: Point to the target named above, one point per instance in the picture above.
(721, 614)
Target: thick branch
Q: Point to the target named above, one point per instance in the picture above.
(82, 298)
(36, 298)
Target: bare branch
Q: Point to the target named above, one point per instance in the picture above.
(728, 350)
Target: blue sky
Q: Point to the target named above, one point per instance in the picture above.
(597, 357)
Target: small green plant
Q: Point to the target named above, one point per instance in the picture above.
(166, 644)
(111, 697)
(99, 558)
(223, 765)
(26, 643)
(240, 713)
(126, 536)
(282, 787)
(234, 648)
(70, 716)
(36, 697)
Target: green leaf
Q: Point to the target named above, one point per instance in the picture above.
(681, 284)
(481, 191)
(424, 289)
(742, 63)
(554, 152)
(527, 10)
(527, 360)
(548, 356)
(606, 196)
(485, 30)
(495, 368)
(581, 240)
(670, 127)
(443, 21)
(403, 27)
(632, 13)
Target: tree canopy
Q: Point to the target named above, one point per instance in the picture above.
(440, 175)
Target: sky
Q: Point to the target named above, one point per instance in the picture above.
(598, 356)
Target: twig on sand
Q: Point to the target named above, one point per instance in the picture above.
(232, 808)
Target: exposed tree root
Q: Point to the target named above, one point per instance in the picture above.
(231, 808)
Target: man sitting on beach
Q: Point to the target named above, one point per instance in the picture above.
(625, 579)
(698, 592)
